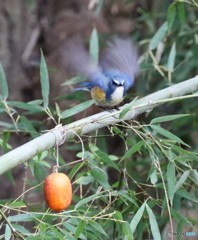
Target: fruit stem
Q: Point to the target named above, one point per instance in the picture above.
(55, 169)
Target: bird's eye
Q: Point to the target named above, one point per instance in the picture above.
(117, 83)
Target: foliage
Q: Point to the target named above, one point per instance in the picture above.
(131, 180)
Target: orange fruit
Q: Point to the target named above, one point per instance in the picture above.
(58, 191)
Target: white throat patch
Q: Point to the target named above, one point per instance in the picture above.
(117, 96)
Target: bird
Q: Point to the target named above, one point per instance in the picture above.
(110, 79)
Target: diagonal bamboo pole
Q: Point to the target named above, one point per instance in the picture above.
(61, 134)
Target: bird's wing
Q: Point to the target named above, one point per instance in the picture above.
(121, 55)
(76, 57)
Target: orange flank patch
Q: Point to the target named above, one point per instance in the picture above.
(98, 94)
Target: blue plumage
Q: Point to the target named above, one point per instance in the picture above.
(109, 81)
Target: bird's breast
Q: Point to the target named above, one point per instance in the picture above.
(103, 100)
(117, 96)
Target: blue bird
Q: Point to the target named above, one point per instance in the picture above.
(109, 81)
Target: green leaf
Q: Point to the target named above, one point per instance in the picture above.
(70, 231)
(182, 180)
(181, 12)
(97, 227)
(118, 215)
(106, 159)
(137, 217)
(125, 195)
(58, 111)
(126, 109)
(153, 177)
(153, 223)
(132, 150)
(79, 229)
(8, 233)
(194, 175)
(87, 200)
(159, 35)
(84, 180)
(168, 118)
(182, 151)
(101, 177)
(25, 106)
(17, 204)
(44, 78)
(171, 15)
(23, 217)
(94, 46)
(39, 171)
(168, 134)
(21, 229)
(127, 231)
(3, 84)
(76, 109)
(75, 169)
(171, 58)
(27, 125)
(180, 218)
(183, 193)
(171, 181)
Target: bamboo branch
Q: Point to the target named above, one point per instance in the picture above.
(61, 134)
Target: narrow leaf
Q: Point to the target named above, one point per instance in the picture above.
(125, 196)
(127, 231)
(127, 108)
(182, 180)
(106, 159)
(171, 15)
(8, 233)
(101, 177)
(44, 78)
(97, 227)
(25, 106)
(86, 200)
(27, 125)
(84, 180)
(180, 218)
(17, 204)
(3, 84)
(181, 12)
(183, 193)
(153, 223)
(20, 228)
(167, 134)
(133, 150)
(153, 177)
(159, 35)
(137, 218)
(23, 217)
(76, 109)
(171, 58)
(194, 175)
(79, 229)
(94, 46)
(168, 118)
(171, 181)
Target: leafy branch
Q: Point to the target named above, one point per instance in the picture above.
(60, 134)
